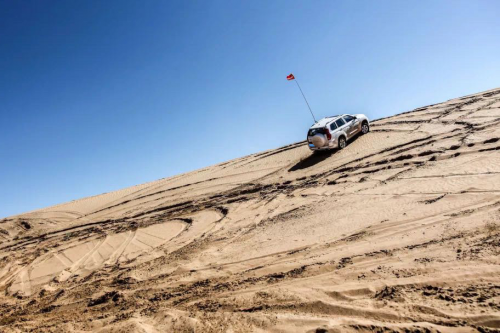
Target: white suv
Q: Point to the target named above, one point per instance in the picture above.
(333, 132)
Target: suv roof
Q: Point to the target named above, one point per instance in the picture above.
(325, 121)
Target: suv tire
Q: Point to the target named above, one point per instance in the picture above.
(365, 128)
(342, 142)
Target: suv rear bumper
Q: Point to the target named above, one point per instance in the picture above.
(331, 145)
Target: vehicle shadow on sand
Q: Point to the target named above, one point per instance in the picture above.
(315, 158)
(318, 156)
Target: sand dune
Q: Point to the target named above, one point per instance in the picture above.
(399, 232)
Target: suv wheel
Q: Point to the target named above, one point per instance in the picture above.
(365, 128)
(342, 142)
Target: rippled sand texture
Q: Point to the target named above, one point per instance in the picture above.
(399, 232)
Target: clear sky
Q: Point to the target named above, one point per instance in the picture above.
(100, 95)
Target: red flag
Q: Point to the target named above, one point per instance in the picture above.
(290, 77)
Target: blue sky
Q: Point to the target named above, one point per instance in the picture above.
(100, 95)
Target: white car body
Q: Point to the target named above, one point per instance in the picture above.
(334, 132)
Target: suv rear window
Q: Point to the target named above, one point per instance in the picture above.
(314, 131)
(340, 122)
(333, 126)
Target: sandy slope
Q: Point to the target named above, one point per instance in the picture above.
(399, 232)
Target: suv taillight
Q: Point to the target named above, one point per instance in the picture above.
(328, 135)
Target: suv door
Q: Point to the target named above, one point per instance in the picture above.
(341, 125)
(352, 125)
(333, 128)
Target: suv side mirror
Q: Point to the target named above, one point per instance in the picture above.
(354, 117)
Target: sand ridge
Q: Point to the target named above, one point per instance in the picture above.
(399, 232)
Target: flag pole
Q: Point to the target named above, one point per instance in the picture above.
(305, 99)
